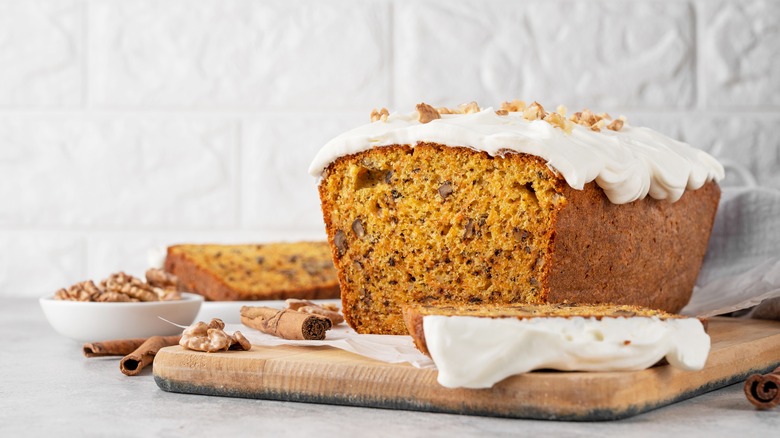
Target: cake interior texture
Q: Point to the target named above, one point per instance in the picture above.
(255, 271)
(441, 225)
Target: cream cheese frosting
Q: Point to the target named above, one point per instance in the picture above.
(476, 352)
(628, 164)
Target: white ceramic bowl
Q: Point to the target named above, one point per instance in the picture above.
(88, 321)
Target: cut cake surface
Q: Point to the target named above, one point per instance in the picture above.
(255, 271)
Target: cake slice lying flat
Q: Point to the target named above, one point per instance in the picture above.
(477, 346)
(270, 271)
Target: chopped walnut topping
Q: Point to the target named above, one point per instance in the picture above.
(598, 125)
(380, 115)
(469, 108)
(597, 122)
(617, 124)
(587, 118)
(466, 108)
(330, 311)
(514, 106)
(559, 121)
(535, 111)
(427, 113)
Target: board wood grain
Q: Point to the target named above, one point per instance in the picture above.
(329, 375)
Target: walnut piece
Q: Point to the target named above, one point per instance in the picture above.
(130, 286)
(120, 287)
(157, 277)
(535, 111)
(82, 291)
(240, 342)
(559, 121)
(515, 106)
(466, 108)
(469, 108)
(167, 294)
(380, 115)
(597, 122)
(427, 113)
(445, 190)
(211, 338)
(115, 297)
(616, 125)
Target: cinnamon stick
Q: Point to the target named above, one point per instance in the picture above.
(286, 324)
(118, 347)
(133, 363)
(764, 390)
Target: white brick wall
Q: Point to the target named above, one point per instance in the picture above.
(126, 125)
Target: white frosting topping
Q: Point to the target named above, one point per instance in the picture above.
(627, 164)
(476, 352)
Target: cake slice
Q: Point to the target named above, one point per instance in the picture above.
(255, 271)
(477, 346)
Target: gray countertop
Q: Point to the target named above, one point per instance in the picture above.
(48, 387)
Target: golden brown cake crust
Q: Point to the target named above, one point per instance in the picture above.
(645, 253)
(445, 225)
(255, 272)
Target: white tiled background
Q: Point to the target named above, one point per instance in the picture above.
(130, 124)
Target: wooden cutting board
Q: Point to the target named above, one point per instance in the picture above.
(329, 375)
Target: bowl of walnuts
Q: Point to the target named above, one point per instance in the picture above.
(121, 307)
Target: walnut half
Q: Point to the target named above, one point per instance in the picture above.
(427, 113)
(212, 338)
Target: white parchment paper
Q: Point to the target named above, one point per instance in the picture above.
(385, 348)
